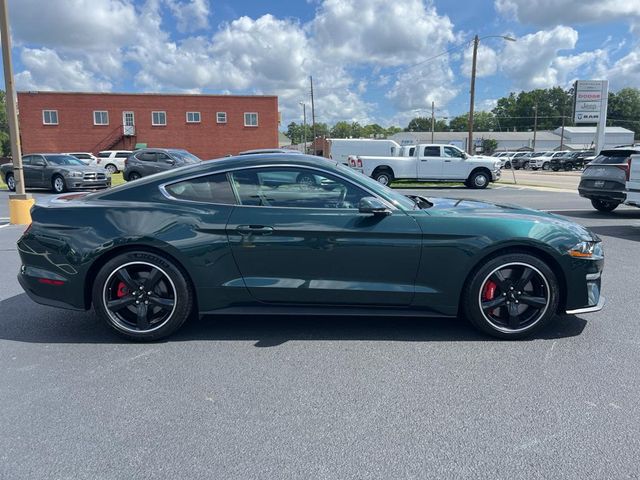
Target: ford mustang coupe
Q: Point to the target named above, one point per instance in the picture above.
(296, 234)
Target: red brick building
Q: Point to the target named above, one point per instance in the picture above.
(209, 126)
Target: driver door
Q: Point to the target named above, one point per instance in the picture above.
(297, 237)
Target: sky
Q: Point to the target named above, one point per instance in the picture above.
(372, 61)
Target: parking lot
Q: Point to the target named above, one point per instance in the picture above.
(327, 397)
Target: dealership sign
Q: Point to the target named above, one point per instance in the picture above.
(589, 96)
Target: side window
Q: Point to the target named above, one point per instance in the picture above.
(412, 151)
(294, 188)
(26, 160)
(209, 189)
(452, 152)
(122, 155)
(146, 157)
(163, 156)
(104, 154)
(431, 151)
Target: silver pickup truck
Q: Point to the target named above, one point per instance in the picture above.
(433, 163)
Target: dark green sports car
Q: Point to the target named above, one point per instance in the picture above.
(296, 234)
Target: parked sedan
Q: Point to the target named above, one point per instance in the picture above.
(241, 235)
(56, 172)
(604, 179)
(148, 161)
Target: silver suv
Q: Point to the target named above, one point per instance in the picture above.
(604, 178)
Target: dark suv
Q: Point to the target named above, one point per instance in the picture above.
(604, 178)
(148, 161)
(570, 160)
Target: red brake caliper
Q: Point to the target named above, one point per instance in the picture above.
(122, 290)
(489, 290)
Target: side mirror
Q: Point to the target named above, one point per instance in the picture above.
(170, 161)
(373, 206)
(39, 163)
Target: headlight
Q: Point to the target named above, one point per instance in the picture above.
(588, 250)
(74, 174)
(497, 164)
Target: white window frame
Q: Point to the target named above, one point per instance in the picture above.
(245, 119)
(193, 114)
(44, 122)
(218, 117)
(159, 124)
(106, 116)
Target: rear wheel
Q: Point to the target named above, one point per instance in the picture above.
(11, 182)
(568, 167)
(478, 180)
(507, 164)
(111, 168)
(385, 177)
(604, 205)
(133, 176)
(511, 296)
(525, 165)
(58, 185)
(545, 166)
(142, 296)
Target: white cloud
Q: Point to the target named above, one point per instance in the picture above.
(534, 61)
(45, 70)
(379, 31)
(191, 14)
(78, 25)
(623, 73)
(557, 12)
(487, 61)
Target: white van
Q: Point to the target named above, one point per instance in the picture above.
(633, 182)
(341, 148)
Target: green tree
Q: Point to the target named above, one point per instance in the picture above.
(341, 129)
(624, 109)
(392, 130)
(419, 124)
(374, 131)
(5, 144)
(489, 145)
(518, 111)
(482, 122)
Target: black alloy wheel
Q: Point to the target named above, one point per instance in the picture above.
(142, 296)
(511, 296)
(604, 205)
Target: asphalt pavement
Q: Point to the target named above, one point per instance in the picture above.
(328, 398)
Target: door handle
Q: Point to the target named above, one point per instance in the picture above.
(254, 229)
(447, 161)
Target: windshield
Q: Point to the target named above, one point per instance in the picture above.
(64, 160)
(185, 156)
(387, 193)
(613, 156)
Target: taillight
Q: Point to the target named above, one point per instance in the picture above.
(626, 167)
(359, 163)
(352, 161)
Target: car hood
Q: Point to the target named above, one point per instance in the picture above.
(477, 209)
(80, 168)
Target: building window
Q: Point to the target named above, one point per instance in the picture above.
(250, 119)
(193, 117)
(158, 118)
(100, 117)
(221, 117)
(50, 117)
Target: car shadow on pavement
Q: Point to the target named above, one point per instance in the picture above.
(625, 232)
(630, 214)
(24, 321)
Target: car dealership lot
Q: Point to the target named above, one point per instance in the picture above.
(323, 397)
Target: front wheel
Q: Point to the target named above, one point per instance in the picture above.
(58, 185)
(478, 180)
(384, 177)
(568, 167)
(511, 296)
(11, 182)
(142, 296)
(604, 205)
(545, 166)
(111, 168)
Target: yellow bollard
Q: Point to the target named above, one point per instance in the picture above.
(20, 211)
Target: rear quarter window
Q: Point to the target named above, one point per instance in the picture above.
(209, 189)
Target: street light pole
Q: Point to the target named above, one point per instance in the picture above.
(304, 124)
(535, 125)
(472, 92)
(20, 202)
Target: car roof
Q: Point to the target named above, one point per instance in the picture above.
(267, 150)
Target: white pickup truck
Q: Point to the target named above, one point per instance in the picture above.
(633, 182)
(433, 163)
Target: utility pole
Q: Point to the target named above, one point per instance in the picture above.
(313, 115)
(562, 131)
(433, 119)
(304, 124)
(476, 40)
(535, 125)
(20, 202)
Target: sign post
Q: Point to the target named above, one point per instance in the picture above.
(591, 102)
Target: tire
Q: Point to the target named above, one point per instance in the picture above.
(568, 167)
(306, 179)
(545, 166)
(478, 180)
(58, 184)
(555, 169)
(384, 177)
(507, 165)
(11, 182)
(494, 303)
(525, 165)
(114, 296)
(133, 176)
(111, 168)
(604, 205)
